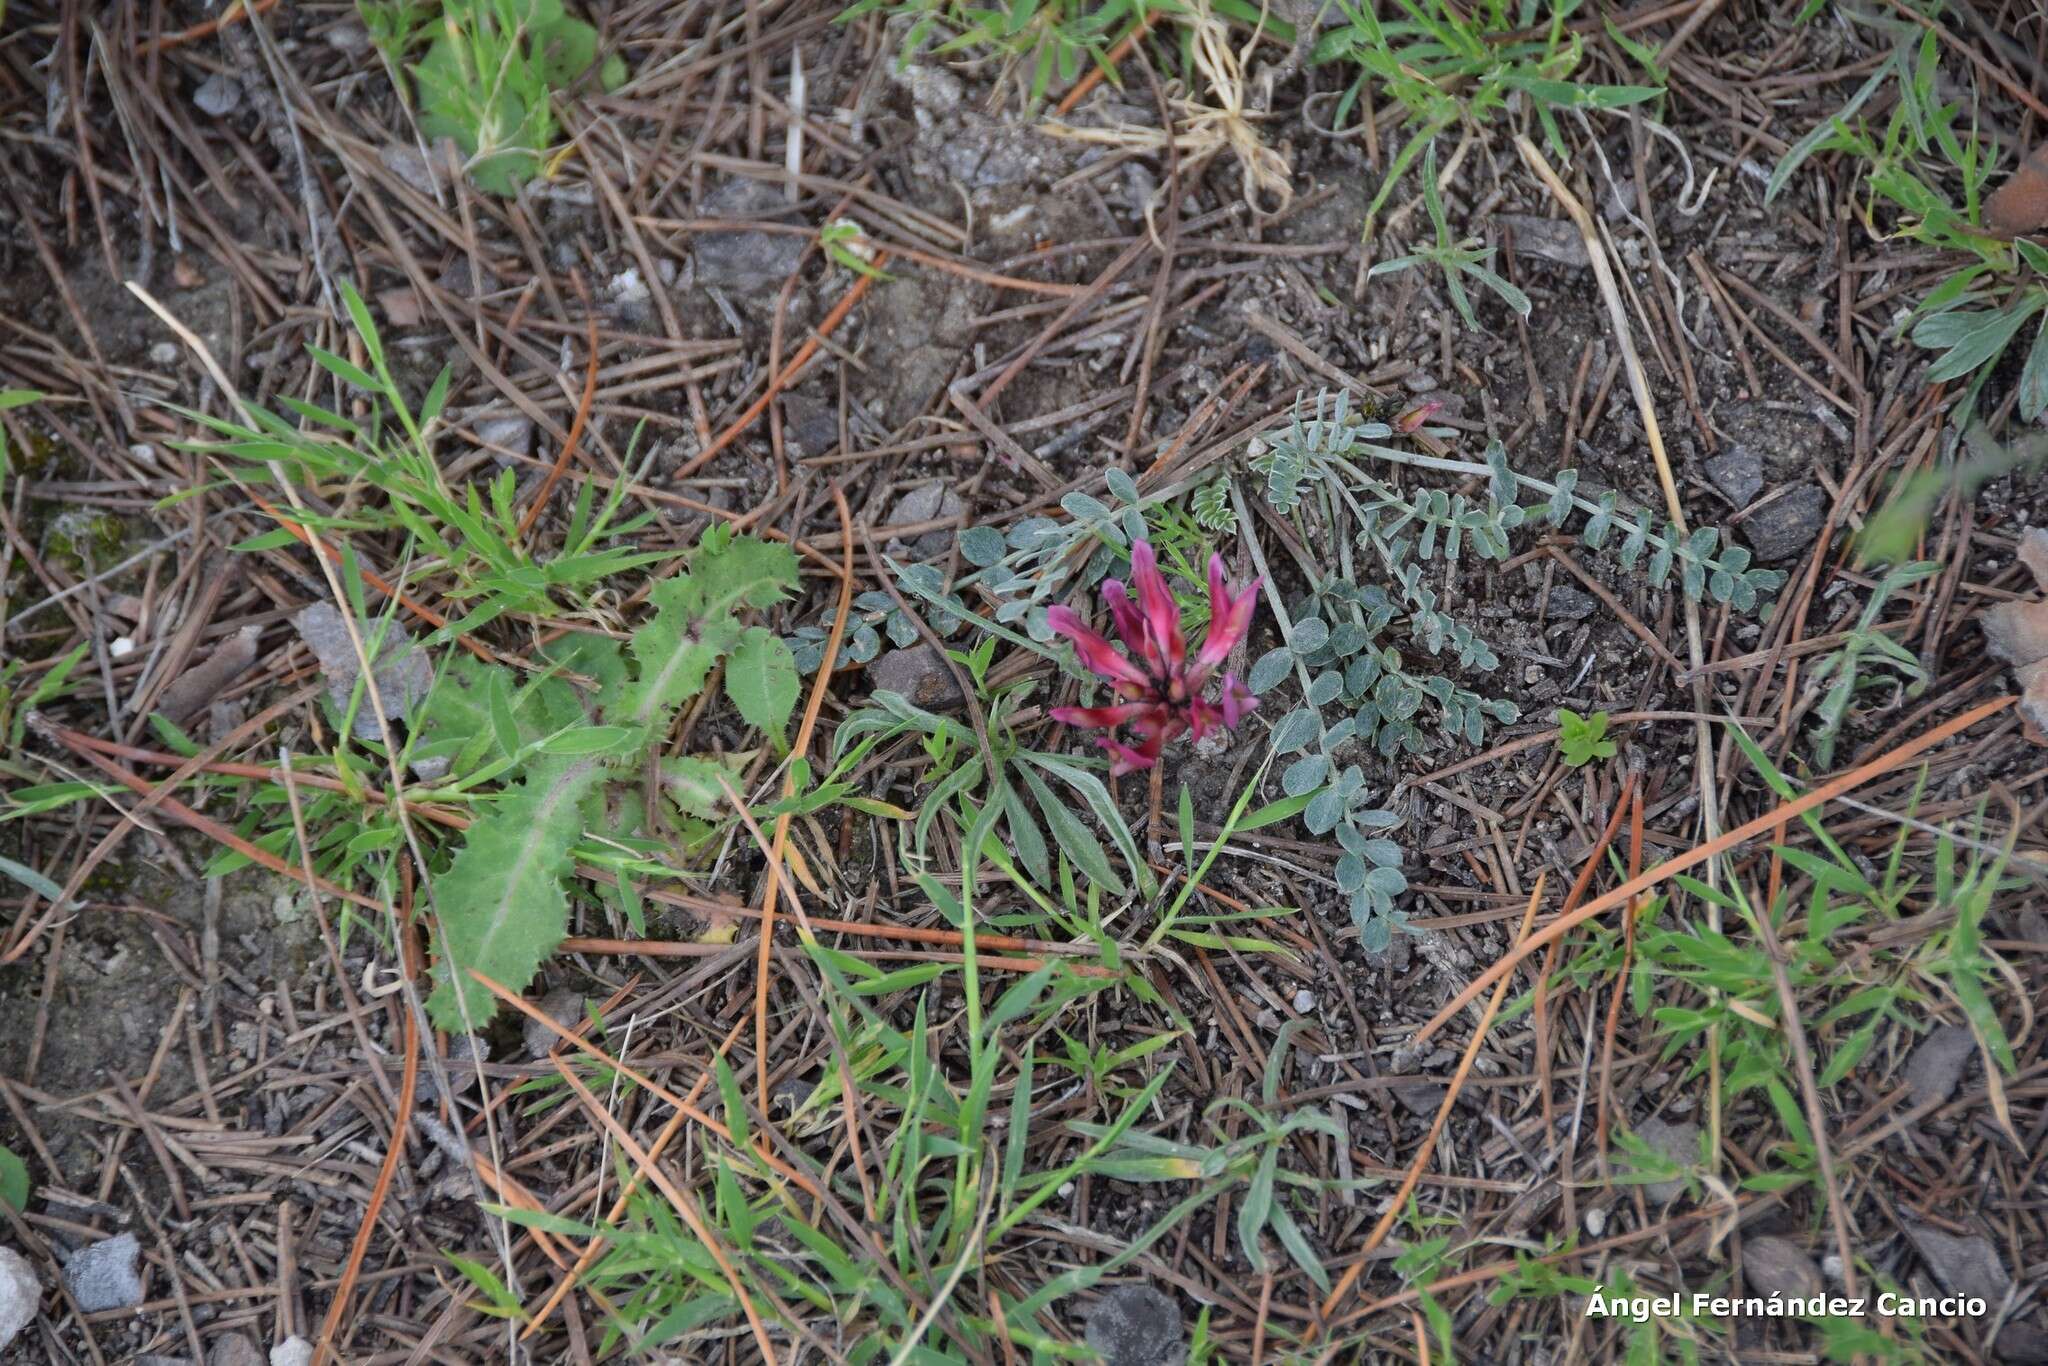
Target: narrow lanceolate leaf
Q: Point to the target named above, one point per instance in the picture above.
(501, 906)
(693, 625)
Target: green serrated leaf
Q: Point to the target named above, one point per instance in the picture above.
(693, 624)
(761, 680)
(696, 783)
(500, 908)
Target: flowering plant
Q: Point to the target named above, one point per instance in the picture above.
(1160, 685)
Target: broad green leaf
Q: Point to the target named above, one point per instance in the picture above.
(501, 908)
(1969, 339)
(693, 624)
(761, 680)
(14, 1182)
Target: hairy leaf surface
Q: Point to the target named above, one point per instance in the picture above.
(501, 905)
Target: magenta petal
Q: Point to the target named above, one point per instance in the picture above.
(1162, 613)
(1151, 740)
(1237, 701)
(1097, 655)
(1230, 616)
(1413, 419)
(1097, 718)
(1123, 759)
(1131, 626)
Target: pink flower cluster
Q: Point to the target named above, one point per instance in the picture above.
(1160, 686)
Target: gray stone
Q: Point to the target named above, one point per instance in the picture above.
(106, 1275)
(917, 328)
(920, 674)
(1547, 239)
(350, 37)
(565, 1008)
(1937, 1063)
(20, 1292)
(1681, 1143)
(1420, 1098)
(631, 294)
(933, 89)
(1772, 1265)
(1135, 1325)
(219, 95)
(2021, 1343)
(1786, 526)
(1569, 604)
(234, 1349)
(509, 436)
(1738, 471)
(1964, 1266)
(927, 503)
(403, 676)
(1619, 201)
(747, 261)
(463, 279)
(293, 1351)
(983, 153)
(809, 426)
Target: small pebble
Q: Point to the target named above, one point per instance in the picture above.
(1304, 1001)
(219, 95)
(120, 647)
(1136, 1325)
(106, 1274)
(1596, 1220)
(164, 353)
(20, 1292)
(234, 1349)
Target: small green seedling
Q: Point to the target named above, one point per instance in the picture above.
(1922, 166)
(847, 243)
(488, 79)
(1453, 257)
(1035, 39)
(1582, 739)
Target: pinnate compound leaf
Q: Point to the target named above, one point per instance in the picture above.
(1271, 668)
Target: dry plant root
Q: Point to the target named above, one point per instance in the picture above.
(1205, 129)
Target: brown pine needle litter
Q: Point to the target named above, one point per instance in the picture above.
(676, 906)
